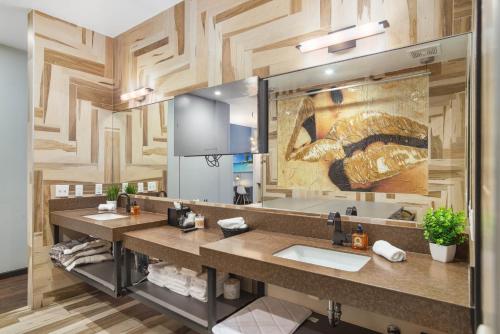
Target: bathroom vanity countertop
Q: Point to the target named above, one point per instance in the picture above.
(171, 244)
(111, 230)
(418, 290)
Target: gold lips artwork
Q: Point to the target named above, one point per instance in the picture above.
(373, 138)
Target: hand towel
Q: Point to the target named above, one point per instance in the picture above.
(265, 315)
(188, 272)
(90, 259)
(106, 207)
(155, 281)
(232, 223)
(391, 253)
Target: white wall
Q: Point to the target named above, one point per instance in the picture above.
(13, 132)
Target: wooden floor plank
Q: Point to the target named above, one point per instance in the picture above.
(13, 293)
(88, 314)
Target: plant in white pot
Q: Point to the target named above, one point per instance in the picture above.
(112, 194)
(445, 230)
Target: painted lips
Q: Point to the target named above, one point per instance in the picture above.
(364, 148)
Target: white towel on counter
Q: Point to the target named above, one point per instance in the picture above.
(106, 207)
(153, 279)
(232, 223)
(265, 315)
(90, 259)
(391, 253)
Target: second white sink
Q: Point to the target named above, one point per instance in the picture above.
(105, 216)
(324, 257)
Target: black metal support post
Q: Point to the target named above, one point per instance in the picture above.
(56, 234)
(117, 252)
(261, 289)
(128, 268)
(211, 286)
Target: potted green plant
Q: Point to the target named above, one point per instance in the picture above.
(131, 189)
(444, 229)
(112, 194)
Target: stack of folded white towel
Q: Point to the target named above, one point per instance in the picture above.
(198, 288)
(69, 254)
(233, 223)
(183, 281)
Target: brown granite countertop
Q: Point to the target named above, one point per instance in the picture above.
(110, 230)
(418, 290)
(171, 244)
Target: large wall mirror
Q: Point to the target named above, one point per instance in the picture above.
(385, 133)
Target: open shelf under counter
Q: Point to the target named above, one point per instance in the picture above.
(190, 311)
(102, 276)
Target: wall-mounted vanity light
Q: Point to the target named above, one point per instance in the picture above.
(139, 94)
(345, 38)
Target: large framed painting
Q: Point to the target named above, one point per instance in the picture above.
(371, 137)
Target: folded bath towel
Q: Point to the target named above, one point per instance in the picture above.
(153, 279)
(93, 243)
(66, 260)
(232, 223)
(391, 253)
(90, 259)
(265, 315)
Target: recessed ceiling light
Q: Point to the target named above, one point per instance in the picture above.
(329, 71)
(217, 92)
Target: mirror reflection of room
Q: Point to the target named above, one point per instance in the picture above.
(386, 137)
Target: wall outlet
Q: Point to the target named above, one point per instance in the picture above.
(62, 190)
(152, 186)
(98, 189)
(79, 190)
(140, 187)
(124, 187)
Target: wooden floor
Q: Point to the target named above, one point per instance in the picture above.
(90, 313)
(13, 292)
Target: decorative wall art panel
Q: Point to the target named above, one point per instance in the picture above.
(372, 137)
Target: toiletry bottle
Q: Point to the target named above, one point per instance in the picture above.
(136, 209)
(199, 221)
(359, 238)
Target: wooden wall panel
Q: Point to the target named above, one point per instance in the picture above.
(206, 42)
(72, 102)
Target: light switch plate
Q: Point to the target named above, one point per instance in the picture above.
(124, 187)
(62, 190)
(98, 189)
(151, 186)
(79, 190)
(140, 187)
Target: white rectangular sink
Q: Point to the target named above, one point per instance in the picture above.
(105, 216)
(324, 257)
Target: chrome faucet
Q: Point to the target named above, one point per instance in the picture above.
(339, 237)
(127, 208)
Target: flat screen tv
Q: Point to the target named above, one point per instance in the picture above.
(222, 120)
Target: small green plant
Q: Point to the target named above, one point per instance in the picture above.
(444, 227)
(131, 189)
(112, 192)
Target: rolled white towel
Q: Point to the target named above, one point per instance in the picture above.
(391, 253)
(232, 223)
(106, 207)
(188, 272)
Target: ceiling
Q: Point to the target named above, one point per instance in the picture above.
(109, 17)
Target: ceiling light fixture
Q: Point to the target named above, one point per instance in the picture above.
(345, 38)
(329, 71)
(217, 92)
(139, 94)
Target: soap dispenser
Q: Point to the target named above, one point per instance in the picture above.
(359, 238)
